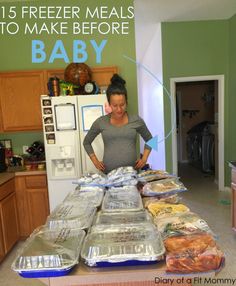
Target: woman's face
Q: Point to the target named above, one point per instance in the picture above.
(118, 105)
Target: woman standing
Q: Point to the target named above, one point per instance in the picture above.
(119, 132)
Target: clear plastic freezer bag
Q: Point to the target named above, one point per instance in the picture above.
(168, 186)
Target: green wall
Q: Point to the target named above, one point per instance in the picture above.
(15, 51)
(232, 88)
(196, 49)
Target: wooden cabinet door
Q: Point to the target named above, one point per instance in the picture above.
(38, 207)
(2, 251)
(20, 100)
(32, 202)
(9, 221)
(22, 207)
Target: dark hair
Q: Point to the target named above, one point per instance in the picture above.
(117, 86)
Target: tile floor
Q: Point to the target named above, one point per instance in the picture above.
(202, 198)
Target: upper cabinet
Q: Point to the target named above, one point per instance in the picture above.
(20, 100)
(20, 95)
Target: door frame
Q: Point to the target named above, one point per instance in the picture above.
(220, 80)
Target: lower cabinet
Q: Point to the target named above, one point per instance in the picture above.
(32, 202)
(9, 231)
(2, 252)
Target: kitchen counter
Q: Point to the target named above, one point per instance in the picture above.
(6, 176)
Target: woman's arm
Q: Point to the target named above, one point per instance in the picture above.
(90, 136)
(142, 161)
(146, 135)
(98, 164)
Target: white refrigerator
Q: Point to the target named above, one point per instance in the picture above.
(66, 121)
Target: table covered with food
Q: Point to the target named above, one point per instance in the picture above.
(124, 228)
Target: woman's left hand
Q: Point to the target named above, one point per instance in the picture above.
(140, 163)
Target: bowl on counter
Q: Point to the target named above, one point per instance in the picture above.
(35, 165)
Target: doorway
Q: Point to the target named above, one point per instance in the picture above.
(204, 111)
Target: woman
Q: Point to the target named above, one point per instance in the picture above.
(119, 132)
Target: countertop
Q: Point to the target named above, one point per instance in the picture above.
(6, 176)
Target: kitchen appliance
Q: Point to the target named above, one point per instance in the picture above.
(201, 147)
(66, 121)
(3, 165)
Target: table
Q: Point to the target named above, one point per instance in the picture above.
(148, 275)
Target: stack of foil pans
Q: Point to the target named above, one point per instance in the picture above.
(122, 245)
(71, 215)
(120, 200)
(48, 253)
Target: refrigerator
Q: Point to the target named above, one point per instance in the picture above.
(66, 121)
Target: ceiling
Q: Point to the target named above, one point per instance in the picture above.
(186, 10)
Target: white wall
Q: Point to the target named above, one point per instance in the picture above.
(149, 72)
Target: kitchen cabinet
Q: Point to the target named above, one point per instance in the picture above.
(20, 100)
(32, 202)
(2, 252)
(8, 218)
(20, 93)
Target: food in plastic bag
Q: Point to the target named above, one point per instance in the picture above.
(92, 179)
(160, 209)
(49, 252)
(185, 223)
(122, 176)
(153, 175)
(163, 187)
(121, 171)
(192, 253)
(172, 199)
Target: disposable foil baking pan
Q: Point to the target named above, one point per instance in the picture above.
(107, 218)
(122, 245)
(49, 253)
(72, 215)
(117, 200)
(86, 194)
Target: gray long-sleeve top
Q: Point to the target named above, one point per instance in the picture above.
(119, 141)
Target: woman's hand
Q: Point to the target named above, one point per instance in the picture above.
(140, 163)
(98, 164)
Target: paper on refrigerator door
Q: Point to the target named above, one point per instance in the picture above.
(65, 117)
(89, 114)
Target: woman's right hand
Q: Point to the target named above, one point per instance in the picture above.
(98, 164)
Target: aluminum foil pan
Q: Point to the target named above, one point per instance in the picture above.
(71, 215)
(108, 218)
(108, 246)
(91, 195)
(49, 252)
(118, 200)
